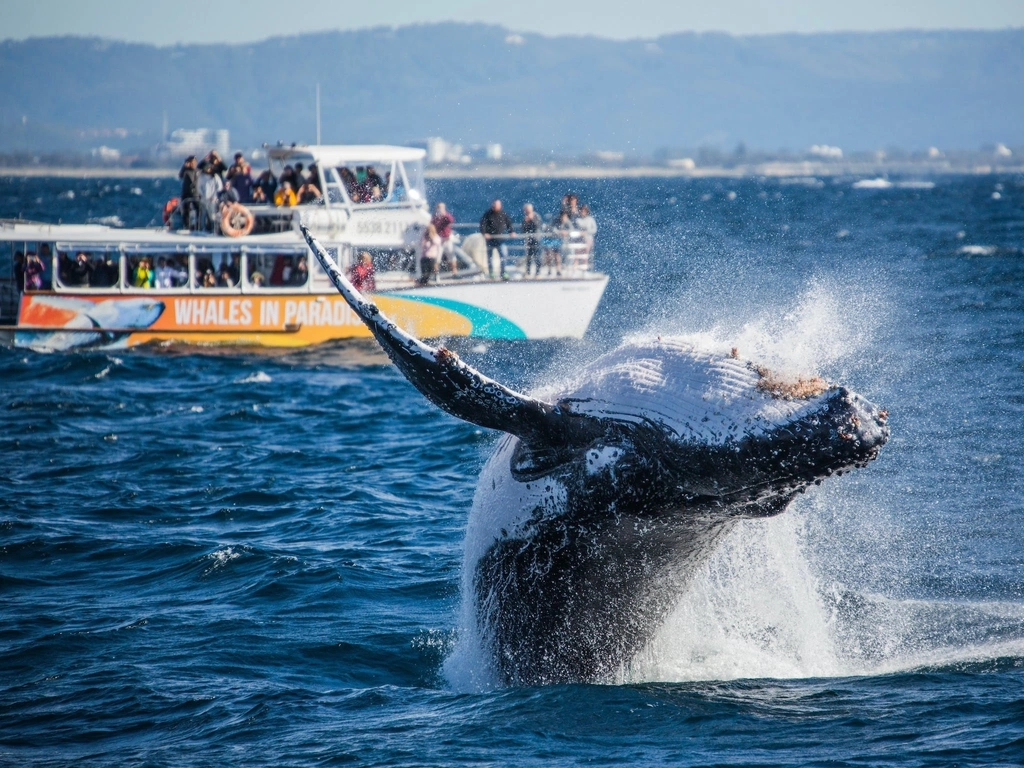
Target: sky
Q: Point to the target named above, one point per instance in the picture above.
(202, 21)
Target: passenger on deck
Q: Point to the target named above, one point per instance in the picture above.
(264, 188)
(286, 196)
(256, 279)
(570, 206)
(105, 273)
(494, 225)
(289, 175)
(209, 280)
(143, 276)
(224, 277)
(362, 274)
(373, 178)
(189, 175)
(430, 254)
(308, 193)
(64, 265)
(313, 176)
(79, 274)
(240, 178)
(532, 224)
(554, 241)
(33, 272)
(211, 183)
(442, 222)
(213, 165)
(164, 276)
(300, 274)
(588, 226)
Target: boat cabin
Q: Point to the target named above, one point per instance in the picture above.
(373, 195)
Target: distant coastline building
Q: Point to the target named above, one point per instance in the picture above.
(182, 142)
(441, 150)
(826, 152)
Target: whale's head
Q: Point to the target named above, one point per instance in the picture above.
(708, 424)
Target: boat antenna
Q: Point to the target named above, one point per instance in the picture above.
(318, 114)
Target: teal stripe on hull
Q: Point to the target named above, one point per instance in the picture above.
(485, 324)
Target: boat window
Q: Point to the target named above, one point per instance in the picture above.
(408, 181)
(216, 270)
(334, 188)
(82, 268)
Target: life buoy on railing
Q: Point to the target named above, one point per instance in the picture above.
(236, 220)
(169, 208)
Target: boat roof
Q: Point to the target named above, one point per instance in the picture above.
(149, 239)
(342, 154)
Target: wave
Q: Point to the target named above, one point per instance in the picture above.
(255, 378)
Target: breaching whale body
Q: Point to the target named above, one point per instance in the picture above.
(596, 507)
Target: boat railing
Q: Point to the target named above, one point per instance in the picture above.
(548, 251)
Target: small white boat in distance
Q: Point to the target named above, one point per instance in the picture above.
(246, 277)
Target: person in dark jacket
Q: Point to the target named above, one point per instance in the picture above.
(494, 224)
(79, 272)
(240, 178)
(189, 175)
(265, 187)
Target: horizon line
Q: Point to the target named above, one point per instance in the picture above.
(524, 34)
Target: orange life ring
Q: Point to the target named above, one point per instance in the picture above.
(169, 208)
(236, 220)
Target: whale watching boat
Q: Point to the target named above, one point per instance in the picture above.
(242, 274)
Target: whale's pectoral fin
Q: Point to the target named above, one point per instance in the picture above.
(454, 386)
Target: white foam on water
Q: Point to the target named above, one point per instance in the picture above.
(220, 558)
(752, 611)
(760, 608)
(255, 378)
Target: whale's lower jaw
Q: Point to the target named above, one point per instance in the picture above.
(576, 602)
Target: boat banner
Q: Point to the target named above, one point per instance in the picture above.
(90, 320)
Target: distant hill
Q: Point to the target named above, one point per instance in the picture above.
(476, 83)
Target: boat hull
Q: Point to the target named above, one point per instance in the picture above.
(527, 309)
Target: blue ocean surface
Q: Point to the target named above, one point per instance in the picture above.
(231, 557)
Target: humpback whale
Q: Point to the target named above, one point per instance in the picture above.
(599, 503)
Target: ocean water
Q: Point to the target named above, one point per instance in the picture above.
(241, 558)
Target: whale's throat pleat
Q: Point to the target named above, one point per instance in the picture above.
(576, 597)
